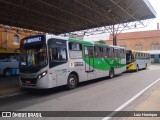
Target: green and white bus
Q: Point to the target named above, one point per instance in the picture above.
(48, 61)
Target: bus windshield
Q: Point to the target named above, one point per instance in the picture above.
(34, 56)
(129, 57)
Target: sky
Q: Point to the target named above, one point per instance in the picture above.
(151, 26)
(156, 6)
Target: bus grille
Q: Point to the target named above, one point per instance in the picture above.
(29, 81)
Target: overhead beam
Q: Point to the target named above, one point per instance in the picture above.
(72, 14)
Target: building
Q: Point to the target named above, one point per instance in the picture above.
(144, 40)
(10, 37)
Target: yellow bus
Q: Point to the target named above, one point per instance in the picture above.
(136, 60)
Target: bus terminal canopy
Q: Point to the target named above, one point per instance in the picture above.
(63, 16)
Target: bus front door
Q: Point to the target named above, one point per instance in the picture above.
(89, 62)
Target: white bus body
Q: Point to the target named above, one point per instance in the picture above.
(63, 62)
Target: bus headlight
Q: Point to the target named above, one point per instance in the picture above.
(42, 75)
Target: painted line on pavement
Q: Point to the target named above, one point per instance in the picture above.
(132, 99)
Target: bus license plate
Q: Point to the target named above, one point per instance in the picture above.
(28, 82)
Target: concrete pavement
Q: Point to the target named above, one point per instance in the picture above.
(151, 102)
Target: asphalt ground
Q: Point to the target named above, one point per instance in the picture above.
(97, 95)
(9, 86)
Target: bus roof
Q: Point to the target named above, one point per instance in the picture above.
(80, 41)
(75, 40)
(101, 44)
(139, 51)
(116, 46)
(93, 43)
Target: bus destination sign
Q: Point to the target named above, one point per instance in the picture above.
(32, 40)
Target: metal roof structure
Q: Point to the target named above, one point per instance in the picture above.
(63, 16)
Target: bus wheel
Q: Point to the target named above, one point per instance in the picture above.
(7, 72)
(111, 73)
(145, 66)
(72, 81)
(137, 68)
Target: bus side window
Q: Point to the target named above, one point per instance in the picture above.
(54, 54)
(75, 50)
(110, 52)
(75, 46)
(57, 54)
(146, 56)
(113, 53)
(107, 52)
(122, 53)
(137, 56)
(141, 55)
(102, 52)
(118, 53)
(97, 51)
(88, 52)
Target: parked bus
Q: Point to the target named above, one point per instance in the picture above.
(48, 61)
(9, 63)
(155, 58)
(137, 60)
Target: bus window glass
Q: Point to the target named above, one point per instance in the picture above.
(129, 57)
(122, 53)
(117, 53)
(113, 53)
(88, 52)
(75, 46)
(98, 52)
(75, 50)
(137, 56)
(58, 54)
(107, 52)
(34, 57)
(110, 52)
(102, 52)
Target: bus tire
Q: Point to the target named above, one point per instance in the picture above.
(145, 66)
(111, 73)
(137, 68)
(72, 81)
(7, 72)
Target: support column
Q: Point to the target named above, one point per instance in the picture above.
(114, 37)
(6, 39)
(115, 40)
